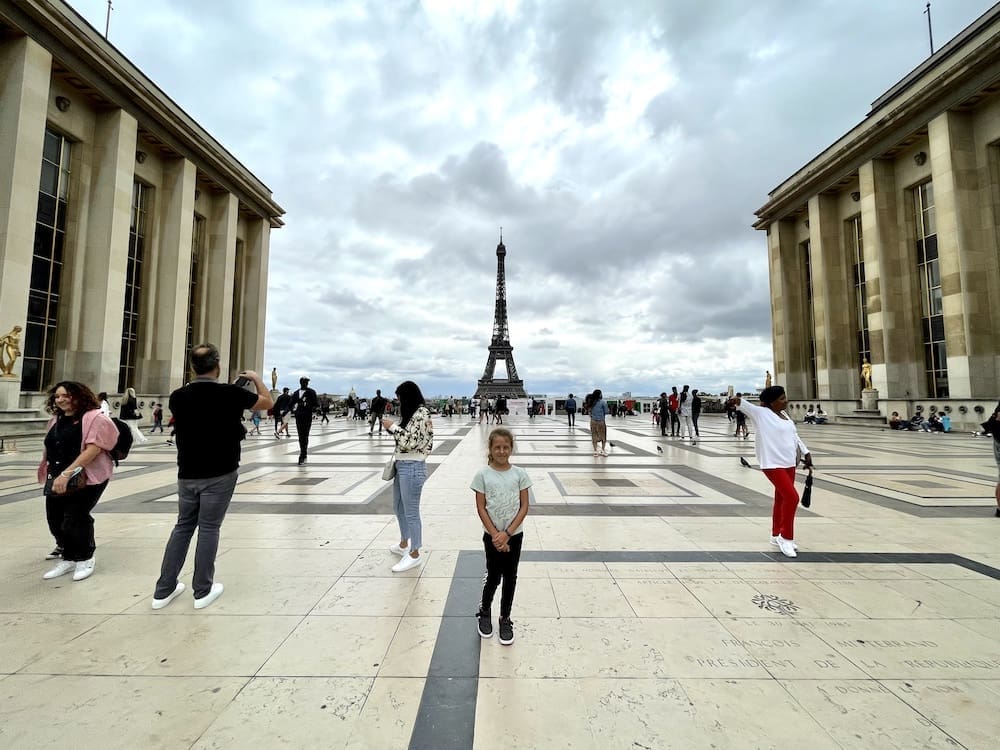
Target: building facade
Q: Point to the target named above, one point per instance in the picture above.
(885, 248)
(127, 233)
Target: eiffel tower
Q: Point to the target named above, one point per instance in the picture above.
(500, 348)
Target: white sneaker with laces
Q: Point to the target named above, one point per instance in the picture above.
(211, 596)
(84, 569)
(61, 569)
(397, 550)
(774, 541)
(787, 547)
(408, 563)
(161, 603)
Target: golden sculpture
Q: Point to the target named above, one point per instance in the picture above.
(866, 374)
(767, 378)
(10, 350)
(274, 378)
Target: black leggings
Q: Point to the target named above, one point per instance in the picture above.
(70, 521)
(501, 565)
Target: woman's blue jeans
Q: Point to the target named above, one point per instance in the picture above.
(406, 488)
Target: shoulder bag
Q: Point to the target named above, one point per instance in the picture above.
(389, 471)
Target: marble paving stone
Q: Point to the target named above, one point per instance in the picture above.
(701, 570)
(621, 571)
(323, 646)
(965, 709)
(923, 649)
(529, 699)
(250, 595)
(374, 597)
(788, 649)
(585, 597)
(309, 563)
(989, 628)
(87, 711)
(809, 600)
(428, 598)
(28, 637)
(650, 597)
(105, 592)
(863, 714)
(410, 651)
(151, 644)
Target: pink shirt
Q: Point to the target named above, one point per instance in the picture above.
(99, 430)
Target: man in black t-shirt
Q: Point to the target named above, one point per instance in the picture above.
(208, 430)
(378, 411)
(303, 404)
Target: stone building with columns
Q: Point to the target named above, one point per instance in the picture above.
(127, 232)
(885, 247)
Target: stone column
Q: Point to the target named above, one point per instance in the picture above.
(166, 302)
(789, 311)
(962, 256)
(257, 251)
(93, 317)
(890, 272)
(837, 377)
(220, 263)
(25, 71)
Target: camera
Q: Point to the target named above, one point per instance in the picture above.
(245, 383)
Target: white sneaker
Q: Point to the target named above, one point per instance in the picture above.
(84, 569)
(408, 563)
(774, 541)
(397, 550)
(211, 596)
(60, 569)
(787, 547)
(161, 603)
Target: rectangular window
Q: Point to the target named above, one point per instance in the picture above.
(46, 265)
(856, 252)
(141, 195)
(806, 248)
(931, 307)
(195, 287)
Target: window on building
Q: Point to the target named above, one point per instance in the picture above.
(857, 254)
(46, 265)
(141, 195)
(931, 308)
(806, 248)
(195, 287)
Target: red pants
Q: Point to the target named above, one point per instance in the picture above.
(786, 500)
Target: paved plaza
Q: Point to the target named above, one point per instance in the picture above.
(651, 610)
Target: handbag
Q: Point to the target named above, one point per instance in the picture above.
(389, 471)
(73, 484)
(808, 491)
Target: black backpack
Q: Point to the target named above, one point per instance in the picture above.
(124, 442)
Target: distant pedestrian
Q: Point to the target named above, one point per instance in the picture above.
(484, 409)
(664, 406)
(571, 410)
(500, 409)
(695, 410)
(741, 421)
(995, 431)
(303, 406)
(684, 410)
(598, 423)
(674, 402)
(282, 413)
(324, 412)
(157, 418)
(130, 415)
(378, 411)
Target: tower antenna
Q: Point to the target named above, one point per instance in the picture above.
(930, 31)
(107, 21)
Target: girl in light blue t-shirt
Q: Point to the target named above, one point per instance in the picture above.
(502, 502)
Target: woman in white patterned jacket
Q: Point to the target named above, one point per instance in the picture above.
(414, 437)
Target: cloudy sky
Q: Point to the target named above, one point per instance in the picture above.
(623, 145)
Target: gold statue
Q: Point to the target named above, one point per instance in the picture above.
(274, 378)
(866, 374)
(10, 350)
(767, 378)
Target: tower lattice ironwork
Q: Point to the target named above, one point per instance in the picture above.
(500, 348)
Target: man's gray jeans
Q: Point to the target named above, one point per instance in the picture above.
(202, 504)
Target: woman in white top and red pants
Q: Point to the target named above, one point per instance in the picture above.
(778, 449)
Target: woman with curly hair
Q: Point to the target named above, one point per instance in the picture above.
(76, 444)
(414, 437)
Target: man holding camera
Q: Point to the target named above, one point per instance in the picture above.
(208, 425)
